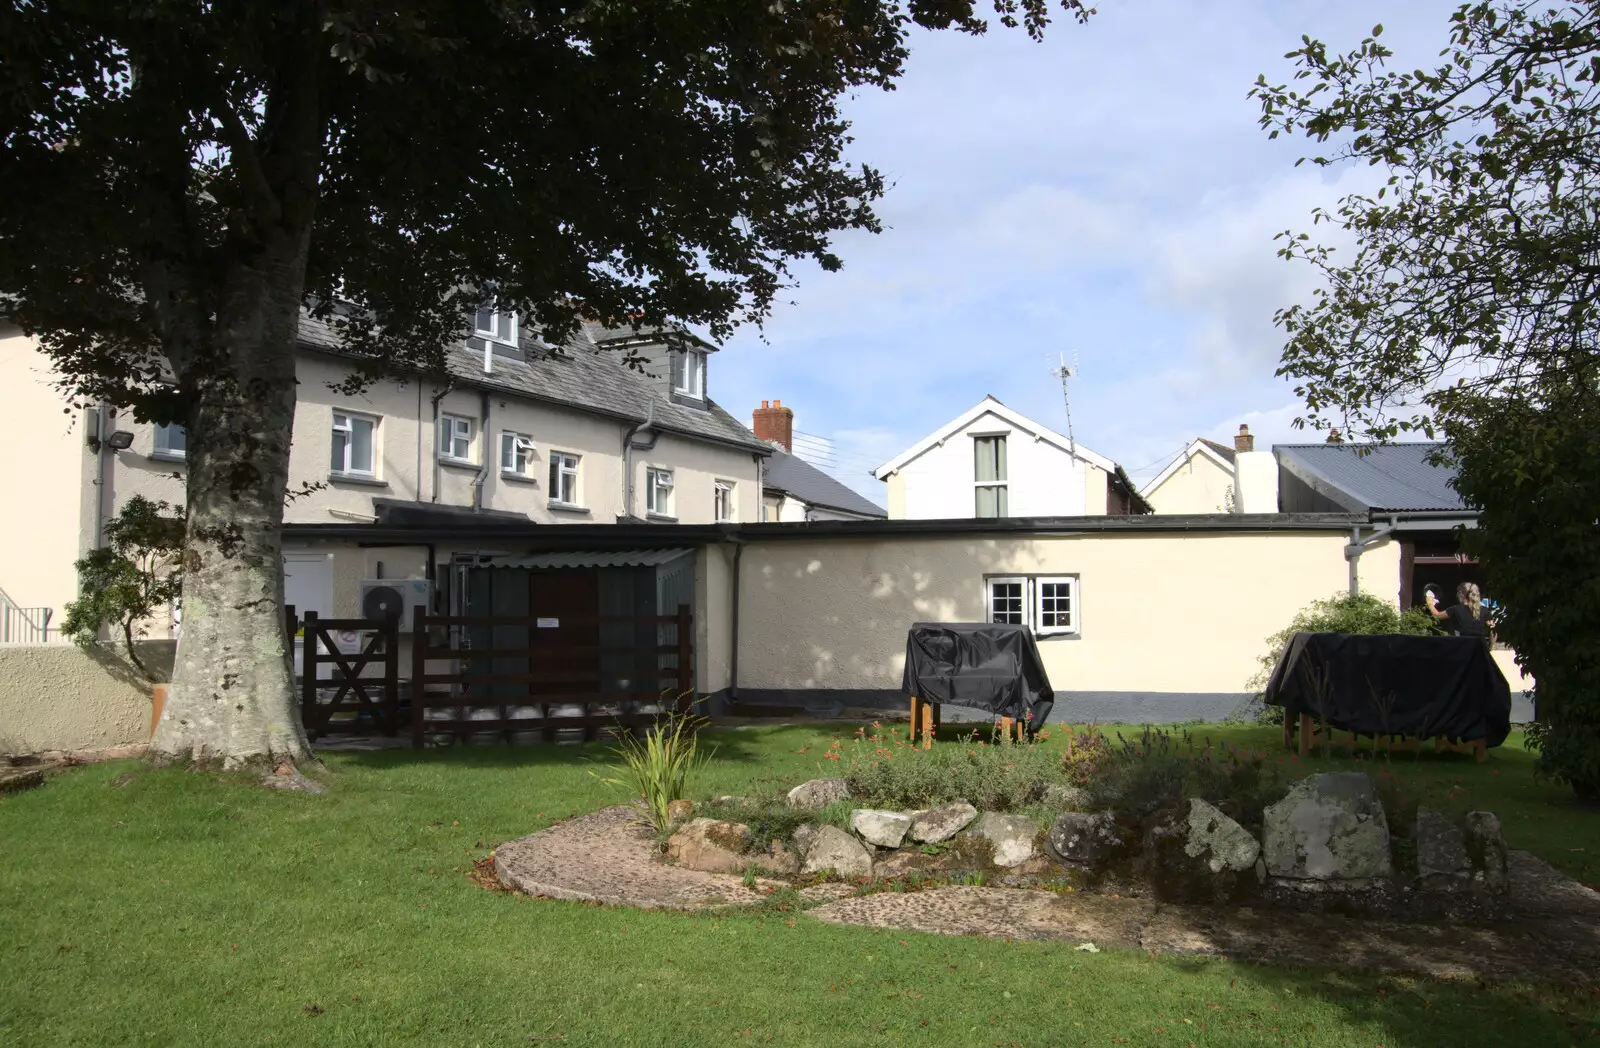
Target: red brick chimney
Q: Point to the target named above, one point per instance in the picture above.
(1244, 441)
(774, 422)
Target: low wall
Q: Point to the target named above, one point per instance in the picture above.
(61, 697)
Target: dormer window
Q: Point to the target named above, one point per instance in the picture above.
(689, 373)
(496, 326)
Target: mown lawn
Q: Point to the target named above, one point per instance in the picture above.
(166, 908)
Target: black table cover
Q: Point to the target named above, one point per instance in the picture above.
(1433, 685)
(983, 665)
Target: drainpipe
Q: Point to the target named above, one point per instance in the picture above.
(483, 448)
(437, 471)
(1359, 545)
(733, 661)
(99, 474)
(627, 456)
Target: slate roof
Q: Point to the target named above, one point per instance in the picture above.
(795, 476)
(1221, 449)
(1395, 477)
(583, 376)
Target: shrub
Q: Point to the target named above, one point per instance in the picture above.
(660, 767)
(1158, 770)
(1340, 613)
(887, 772)
(1087, 753)
(137, 573)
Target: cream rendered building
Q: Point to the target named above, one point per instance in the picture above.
(1199, 480)
(516, 433)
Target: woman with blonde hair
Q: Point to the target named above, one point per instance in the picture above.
(1465, 618)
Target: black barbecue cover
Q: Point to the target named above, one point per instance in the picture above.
(985, 665)
(1431, 685)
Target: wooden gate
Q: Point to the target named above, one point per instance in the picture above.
(353, 686)
(564, 663)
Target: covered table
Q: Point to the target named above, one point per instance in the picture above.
(1387, 685)
(990, 666)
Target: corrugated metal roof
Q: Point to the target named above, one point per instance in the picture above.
(791, 474)
(632, 558)
(1396, 477)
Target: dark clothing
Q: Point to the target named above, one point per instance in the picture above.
(1463, 624)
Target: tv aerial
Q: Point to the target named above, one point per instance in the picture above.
(1066, 373)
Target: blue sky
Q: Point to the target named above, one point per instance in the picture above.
(1107, 194)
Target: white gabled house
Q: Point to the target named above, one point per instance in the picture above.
(992, 461)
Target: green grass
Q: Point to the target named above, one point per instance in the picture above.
(183, 909)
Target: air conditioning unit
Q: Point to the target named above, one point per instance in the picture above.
(394, 599)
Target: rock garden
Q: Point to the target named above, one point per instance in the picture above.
(1159, 841)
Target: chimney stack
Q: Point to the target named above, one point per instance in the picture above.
(774, 423)
(1244, 441)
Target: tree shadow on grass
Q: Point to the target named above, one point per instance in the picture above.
(742, 747)
(1417, 1012)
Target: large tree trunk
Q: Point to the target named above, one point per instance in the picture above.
(231, 701)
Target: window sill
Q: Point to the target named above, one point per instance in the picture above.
(447, 460)
(1054, 634)
(336, 477)
(518, 478)
(662, 517)
(567, 507)
(168, 456)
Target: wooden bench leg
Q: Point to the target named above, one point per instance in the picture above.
(927, 725)
(1005, 729)
(1480, 751)
(916, 719)
(1305, 734)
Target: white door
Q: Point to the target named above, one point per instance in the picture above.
(308, 586)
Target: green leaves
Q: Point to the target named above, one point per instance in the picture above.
(135, 575)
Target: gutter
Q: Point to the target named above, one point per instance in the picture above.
(628, 447)
(449, 385)
(483, 441)
(596, 536)
(733, 662)
(99, 475)
(1359, 545)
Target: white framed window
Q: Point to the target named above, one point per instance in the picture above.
(516, 453)
(990, 490)
(1046, 604)
(455, 438)
(354, 440)
(1055, 600)
(688, 372)
(495, 326)
(563, 479)
(171, 441)
(723, 506)
(658, 492)
(1007, 600)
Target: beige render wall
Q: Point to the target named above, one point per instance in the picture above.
(395, 403)
(696, 467)
(40, 467)
(1199, 485)
(61, 697)
(1160, 613)
(597, 441)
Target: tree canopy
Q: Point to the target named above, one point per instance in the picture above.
(181, 178)
(1475, 270)
(1468, 309)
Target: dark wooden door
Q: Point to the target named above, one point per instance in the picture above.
(565, 635)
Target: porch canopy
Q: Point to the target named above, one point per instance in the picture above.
(633, 558)
(990, 666)
(1394, 684)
